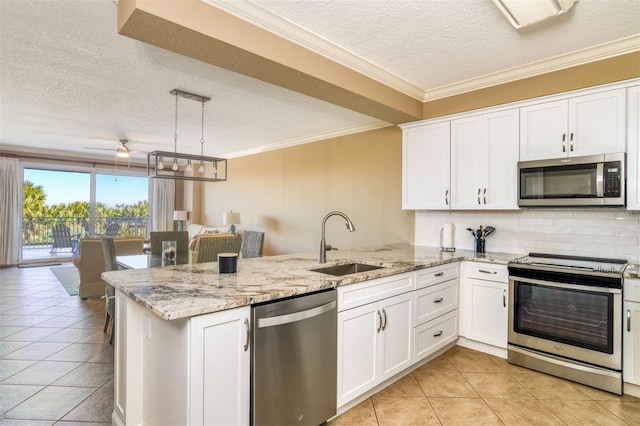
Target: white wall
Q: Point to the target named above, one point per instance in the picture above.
(583, 232)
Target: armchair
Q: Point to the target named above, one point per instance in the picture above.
(90, 262)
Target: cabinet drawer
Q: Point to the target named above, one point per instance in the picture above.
(436, 275)
(631, 290)
(435, 334)
(431, 302)
(354, 295)
(488, 272)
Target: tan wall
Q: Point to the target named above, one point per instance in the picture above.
(286, 193)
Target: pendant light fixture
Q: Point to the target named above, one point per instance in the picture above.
(182, 165)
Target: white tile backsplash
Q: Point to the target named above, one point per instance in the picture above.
(581, 232)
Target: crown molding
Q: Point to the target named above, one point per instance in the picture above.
(308, 139)
(580, 57)
(267, 20)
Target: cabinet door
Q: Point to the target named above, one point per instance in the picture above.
(396, 335)
(425, 167)
(468, 155)
(220, 362)
(631, 343)
(358, 330)
(500, 168)
(633, 152)
(543, 131)
(488, 316)
(597, 123)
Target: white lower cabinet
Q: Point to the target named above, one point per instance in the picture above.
(436, 309)
(374, 339)
(191, 371)
(220, 368)
(631, 332)
(485, 303)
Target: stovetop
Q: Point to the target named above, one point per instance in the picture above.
(572, 263)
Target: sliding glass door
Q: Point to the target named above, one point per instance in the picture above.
(60, 206)
(121, 205)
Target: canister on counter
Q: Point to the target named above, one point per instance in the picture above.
(227, 263)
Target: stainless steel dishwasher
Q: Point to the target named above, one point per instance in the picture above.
(294, 360)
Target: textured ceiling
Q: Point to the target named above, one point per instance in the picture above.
(438, 42)
(69, 81)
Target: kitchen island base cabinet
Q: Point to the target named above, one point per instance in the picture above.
(191, 371)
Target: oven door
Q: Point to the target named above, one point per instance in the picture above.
(573, 321)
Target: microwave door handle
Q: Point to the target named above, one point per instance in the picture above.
(600, 180)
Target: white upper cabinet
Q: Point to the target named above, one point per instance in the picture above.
(582, 125)
(633, 153)
(484, 157)
(425, 167)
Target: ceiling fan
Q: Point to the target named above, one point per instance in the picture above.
(122, 150)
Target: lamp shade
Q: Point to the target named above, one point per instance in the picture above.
(179, 215)
(231, 218)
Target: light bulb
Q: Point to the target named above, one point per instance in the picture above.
(201, 168)
(160, 164)
(175, 165)
(189, 168)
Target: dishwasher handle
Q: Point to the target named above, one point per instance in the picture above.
(296, 316)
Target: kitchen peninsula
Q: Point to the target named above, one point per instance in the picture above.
(182, 332)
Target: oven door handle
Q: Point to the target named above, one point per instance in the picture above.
(587, 288)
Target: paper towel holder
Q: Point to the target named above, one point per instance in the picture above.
(442, 248)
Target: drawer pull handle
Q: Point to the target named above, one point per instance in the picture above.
(564, 142)
(437, 334)
(439, 274)
(438, 300)
(485, 271)
(628, 319)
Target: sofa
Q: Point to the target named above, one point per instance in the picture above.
(90, 262)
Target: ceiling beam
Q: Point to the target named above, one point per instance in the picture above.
(206, 33)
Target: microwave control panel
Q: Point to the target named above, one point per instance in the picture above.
(612, 179)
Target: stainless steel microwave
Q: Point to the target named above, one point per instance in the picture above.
(589, 181)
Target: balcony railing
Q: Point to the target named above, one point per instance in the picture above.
(36, 231)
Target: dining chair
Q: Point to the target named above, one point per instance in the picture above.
(252, 244)
(110, 264)
(208, 248)
(180, 237)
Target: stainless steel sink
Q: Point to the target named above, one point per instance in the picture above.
(346, 269)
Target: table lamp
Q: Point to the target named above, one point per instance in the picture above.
(231, 218)
(180, 216)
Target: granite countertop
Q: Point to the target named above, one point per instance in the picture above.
(181, 291)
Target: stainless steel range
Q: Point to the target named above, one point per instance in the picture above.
(565, 317)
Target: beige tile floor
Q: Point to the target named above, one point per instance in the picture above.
(56, 364)
(56, 368)
(466, 387)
